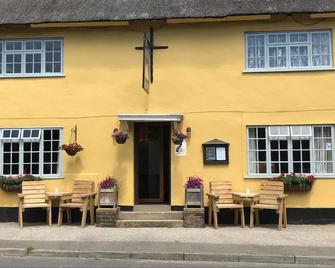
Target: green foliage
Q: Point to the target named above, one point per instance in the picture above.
(17, 180)
(295, 179)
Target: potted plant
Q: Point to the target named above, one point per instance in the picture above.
(194, 192)
(14, 183)
(108, 192)
(296, 182)
(120, 136)
(71, 148)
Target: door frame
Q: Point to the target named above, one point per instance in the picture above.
(165, 168)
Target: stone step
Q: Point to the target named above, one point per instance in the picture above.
(151, 215)
(149, 223)
(155, 207)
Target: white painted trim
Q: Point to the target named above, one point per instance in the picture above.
(41, 152)
(150, 117)
(288, 44)
(287, 70)
(23, 53)
(290, 153)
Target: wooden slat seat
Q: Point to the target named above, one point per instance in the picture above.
(40, 205)
(72, 205)
(220, 196)
(271, 197)
(33, 196)
(265, 206)
(82, 197)
(229, 206)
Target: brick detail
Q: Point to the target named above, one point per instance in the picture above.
(107, 217)
(194, 217)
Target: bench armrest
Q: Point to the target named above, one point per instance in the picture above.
(21, 196)
(282, 196)
(237, 198)
(84, 196)
(213, 197)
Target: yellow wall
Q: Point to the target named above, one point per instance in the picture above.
(200, 76)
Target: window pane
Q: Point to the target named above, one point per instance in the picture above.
(255, 50)
(323, 150)
(276, 38)
(321, 49)
(51, 151)
(53, 50)
(11, 158)
(277, 57)
(257, 153)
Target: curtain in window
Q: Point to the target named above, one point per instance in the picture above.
(323, 150)
(320, 49)
(252, 151)
(256, 51)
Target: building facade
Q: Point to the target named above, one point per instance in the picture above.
(261, 82)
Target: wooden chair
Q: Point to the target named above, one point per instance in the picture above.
(221, 197)
(33, 196)
(271, 197)
(82, 197)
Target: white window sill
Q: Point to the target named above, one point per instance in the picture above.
(56, 177)
(32, 76)
(320, 176)
(245, 71)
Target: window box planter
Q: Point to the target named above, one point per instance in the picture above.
(297, 187)
(194, 197)
(108, 197)
(14, 183)
(296, 182)
(11, 187)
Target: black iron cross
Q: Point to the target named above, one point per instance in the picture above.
(148, 59)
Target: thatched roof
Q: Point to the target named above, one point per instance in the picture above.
(41, 11)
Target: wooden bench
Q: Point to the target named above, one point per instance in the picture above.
(33, 196)
(82, 197)
(271, 197)
(221, 197)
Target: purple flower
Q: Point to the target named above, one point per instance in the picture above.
(193, 182)
(108, 183)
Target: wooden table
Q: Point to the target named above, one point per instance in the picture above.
(247, 196)
(60, 196)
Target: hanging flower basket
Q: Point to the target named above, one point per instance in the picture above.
(120, 136)
(72, 148)
(177, 137)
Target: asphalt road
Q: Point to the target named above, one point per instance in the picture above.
(42, 262)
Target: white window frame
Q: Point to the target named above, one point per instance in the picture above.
(10, 138)
(290, 152)
(25, 51)
(30, 138)
(288, 44)
(41, 151)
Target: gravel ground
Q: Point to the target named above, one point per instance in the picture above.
(294, 235)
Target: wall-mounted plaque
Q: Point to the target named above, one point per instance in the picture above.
(215, 152)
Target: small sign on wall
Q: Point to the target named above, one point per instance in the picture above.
(215, 152)
(181, 149)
